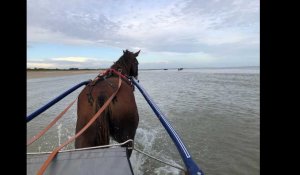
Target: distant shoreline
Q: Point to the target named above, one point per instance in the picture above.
(31, 74)
(44, 73)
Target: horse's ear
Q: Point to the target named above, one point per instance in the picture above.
(137, 53)
(123, 51)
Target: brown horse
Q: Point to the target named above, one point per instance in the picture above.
(120, 119)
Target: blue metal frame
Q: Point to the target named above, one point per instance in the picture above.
(51, 103)
(191, 166)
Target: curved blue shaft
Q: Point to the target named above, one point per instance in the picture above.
(191, 166)
(51, 103)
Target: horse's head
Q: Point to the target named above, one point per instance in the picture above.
(127, 63)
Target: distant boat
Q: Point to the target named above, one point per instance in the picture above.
(180, 69)
(165, 69)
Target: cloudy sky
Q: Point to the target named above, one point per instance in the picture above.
(170, 33)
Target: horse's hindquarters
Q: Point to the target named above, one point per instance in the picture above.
(120, 119)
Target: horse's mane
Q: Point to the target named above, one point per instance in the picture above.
(123, 62)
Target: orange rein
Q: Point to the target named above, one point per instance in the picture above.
(34, 138)
(54, 152)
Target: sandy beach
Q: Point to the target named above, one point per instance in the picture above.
(45, 74)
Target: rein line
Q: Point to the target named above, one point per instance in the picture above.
(53, 154)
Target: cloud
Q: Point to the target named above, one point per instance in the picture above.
(73, 59)
(180, 26)
(67, 62)
(38, 34)
(40, 65)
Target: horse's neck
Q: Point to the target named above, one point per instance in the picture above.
(120, 64)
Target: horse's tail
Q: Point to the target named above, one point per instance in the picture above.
(102, 122)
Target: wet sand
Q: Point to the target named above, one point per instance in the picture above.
(45, 74)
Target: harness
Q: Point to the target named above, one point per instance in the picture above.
(103, 77)
(111, 73)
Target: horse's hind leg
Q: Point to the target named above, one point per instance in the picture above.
(102, 123)
(129, 146)
(121, 135)
(103, 129)
(98, 133)
(87, 139)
